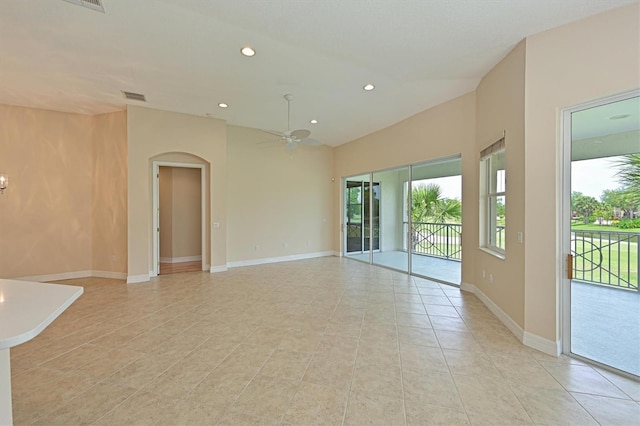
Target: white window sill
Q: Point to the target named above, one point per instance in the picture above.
(499, 255)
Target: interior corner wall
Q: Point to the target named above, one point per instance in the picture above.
(442, 131)
(109, 193)
(279, 203)
(576, 63)
(46, 213)
(152, 133)
(500, 103)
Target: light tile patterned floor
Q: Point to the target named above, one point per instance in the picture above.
(323, 341)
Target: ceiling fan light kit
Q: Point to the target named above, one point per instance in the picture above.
(292, 138)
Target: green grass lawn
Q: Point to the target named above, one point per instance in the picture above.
(594, 227)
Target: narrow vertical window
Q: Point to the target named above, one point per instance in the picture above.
(493, 197)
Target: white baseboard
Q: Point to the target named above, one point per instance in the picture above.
(218, 268)
(57, 277)
(547, 346)
(75, 275)
(109, 274)
(468, 287)
(265, 260)
(180, 259)
(206, 267)
(534, 341)
(133, 279)
(500, 314)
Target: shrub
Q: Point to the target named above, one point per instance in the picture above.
(629, 223)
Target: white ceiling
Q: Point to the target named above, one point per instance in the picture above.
(184, 55)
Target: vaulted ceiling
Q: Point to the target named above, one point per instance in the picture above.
(184, 56)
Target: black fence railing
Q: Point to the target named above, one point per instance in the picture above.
(443, 240)
(606, 257)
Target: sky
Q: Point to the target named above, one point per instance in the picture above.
(591, 177)
(451, 186)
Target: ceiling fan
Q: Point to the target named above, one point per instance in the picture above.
(292, 138)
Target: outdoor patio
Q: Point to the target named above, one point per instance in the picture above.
(605, 321)
(605, 325)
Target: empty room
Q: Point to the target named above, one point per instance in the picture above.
(293, 212)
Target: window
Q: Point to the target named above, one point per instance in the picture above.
(493, 197)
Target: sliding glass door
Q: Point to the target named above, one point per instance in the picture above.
(360, 214)
(389, 205)
(408, 219)
(435, 240)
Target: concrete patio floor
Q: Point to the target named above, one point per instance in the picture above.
(605, 325)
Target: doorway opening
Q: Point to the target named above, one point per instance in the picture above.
(179, 218)
(601, 231)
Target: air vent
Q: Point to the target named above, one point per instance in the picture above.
(134, 96)
(89, 4)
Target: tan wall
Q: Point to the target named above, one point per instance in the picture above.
(152, 133)
(165, 193)
(275, 198)
(579, 62)
(187, 213)
(45, 214)
(500, 107)
(445, 130)
(109, 242)
(180, 213)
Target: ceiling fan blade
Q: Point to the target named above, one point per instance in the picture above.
(307, 141)
(273, 133)
(269, 141)
(300, 133)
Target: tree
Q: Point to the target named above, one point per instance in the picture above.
(427, 204)
(584, 205)
(629, 177)
(603, 212)
(620, 199)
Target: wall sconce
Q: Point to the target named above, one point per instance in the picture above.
(4, 182)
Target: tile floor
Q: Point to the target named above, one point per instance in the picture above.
(322, 341)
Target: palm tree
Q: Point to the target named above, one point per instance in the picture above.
(629, 176)
(427, 205)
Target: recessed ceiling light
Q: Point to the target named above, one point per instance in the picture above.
(368, 87)
(223, 105)
(619, 117)
(248, 51)
(314, 121)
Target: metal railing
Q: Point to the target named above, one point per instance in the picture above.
(606, 257)
(443, 240)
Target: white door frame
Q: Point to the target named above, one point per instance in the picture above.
(156, 210)
(565, 209)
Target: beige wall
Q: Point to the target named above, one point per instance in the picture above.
(109, 194)
(152, 133)
(180, 213)
(275, 198)
(443, 131)
(65, 208)
(579, 62)
(187, 213)
(45, 214)
(500, 107)
(165, 192)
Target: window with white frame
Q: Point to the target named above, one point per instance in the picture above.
(493, 197)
